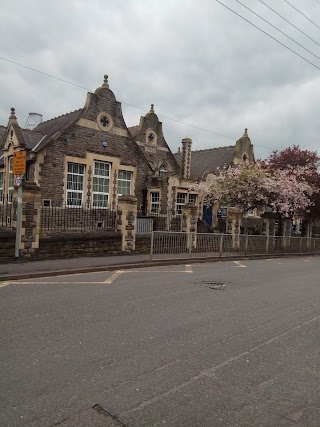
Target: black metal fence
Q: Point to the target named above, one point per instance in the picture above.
(56, 218)
(7, 214)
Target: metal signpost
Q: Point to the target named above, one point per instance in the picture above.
(19, 169)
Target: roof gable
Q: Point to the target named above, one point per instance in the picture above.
(209, 160)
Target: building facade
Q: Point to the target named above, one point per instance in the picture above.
(89, 157)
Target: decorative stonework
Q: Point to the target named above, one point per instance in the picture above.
(114, 195)
(105, 121)
(126, 221)
(151, 137)
(89, 185)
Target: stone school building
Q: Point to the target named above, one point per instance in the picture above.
(89, 157)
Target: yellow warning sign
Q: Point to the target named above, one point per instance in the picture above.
(19, 163)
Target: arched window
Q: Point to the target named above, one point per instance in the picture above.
(163, 169)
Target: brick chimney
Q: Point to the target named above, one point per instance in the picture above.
(186, 157)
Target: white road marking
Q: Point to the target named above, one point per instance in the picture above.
(188, 268)
(108, 281)
(306, 260)
(3, 284)
(239, 264)
(113, 277)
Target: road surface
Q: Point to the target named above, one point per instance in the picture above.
(208, 345)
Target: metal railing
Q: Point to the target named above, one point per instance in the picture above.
(177, 245)
(146, 223)
(7, 214)
(56, 218)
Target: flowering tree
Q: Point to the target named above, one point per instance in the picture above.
(304, 165)
(249, 186)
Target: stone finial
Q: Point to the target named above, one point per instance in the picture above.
(245, 132)
(13, 114)
(105, 81)
(152, 108)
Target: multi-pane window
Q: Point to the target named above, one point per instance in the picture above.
(1, 186)
(11, 180)
(163, 169)
(101, 184)
(192, 199)
(181, 200)
(124, 182)
(155, 201)
(75, 184)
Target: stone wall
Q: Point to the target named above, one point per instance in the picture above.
(7, 243)
(79, 244)
(143, 244)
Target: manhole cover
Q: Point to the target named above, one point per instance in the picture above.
(217, 286)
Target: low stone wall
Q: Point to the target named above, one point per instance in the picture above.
(143, 243)
(79, 244)
(7, 243)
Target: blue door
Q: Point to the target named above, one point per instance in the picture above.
(207, 214)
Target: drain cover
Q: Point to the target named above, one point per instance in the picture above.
(217, 286)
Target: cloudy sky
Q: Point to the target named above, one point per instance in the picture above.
(198, 62)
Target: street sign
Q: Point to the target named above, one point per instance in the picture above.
(19, 163)
(219, 213)
(18, 181)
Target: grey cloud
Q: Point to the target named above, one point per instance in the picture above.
(196, 62)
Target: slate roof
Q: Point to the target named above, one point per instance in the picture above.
(133, 130)
(209, 160)
(30, 137)
(50, 127)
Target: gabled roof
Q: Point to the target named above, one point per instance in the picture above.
(30, 137)
(209, 160)
(50, 127)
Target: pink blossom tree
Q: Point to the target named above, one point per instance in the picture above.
(249, 186)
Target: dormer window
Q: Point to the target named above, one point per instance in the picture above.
(163, 169)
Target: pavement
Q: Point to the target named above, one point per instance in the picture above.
(13, 270)
(23, 269)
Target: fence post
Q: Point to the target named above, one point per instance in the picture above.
(151, 248)
(221, 246)
(300, 245)
(126, 222)
(246, 246)
(267, 244)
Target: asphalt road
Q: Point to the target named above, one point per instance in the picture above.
(208, 345)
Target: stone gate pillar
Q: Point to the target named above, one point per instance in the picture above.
(30, 221)
(234, 220)
(127, 222)
(190, 223)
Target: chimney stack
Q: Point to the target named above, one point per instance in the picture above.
(186, 157)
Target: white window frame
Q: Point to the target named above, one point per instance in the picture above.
(104, 180)
(193, 196)
(125, 180)
(154, 202)
(76, 190)
(180, 202)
